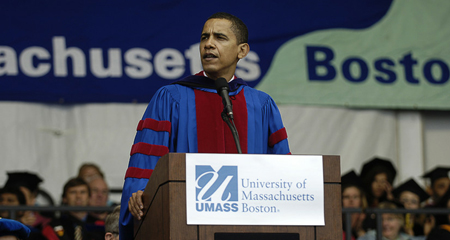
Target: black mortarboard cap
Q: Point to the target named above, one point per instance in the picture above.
(436, 173)
(375, 166)
(350, 179)
(25, 179)
(413, 187)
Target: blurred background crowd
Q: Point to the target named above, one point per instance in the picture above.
(374, 187)
(88, 188)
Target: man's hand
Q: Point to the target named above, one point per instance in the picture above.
(28, 218)
(135, 205)
(388, 189)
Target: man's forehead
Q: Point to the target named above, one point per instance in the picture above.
(217, 25)
(79, 187)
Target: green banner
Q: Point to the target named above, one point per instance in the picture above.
(401, 62)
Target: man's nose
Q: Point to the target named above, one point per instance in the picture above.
(209, 43)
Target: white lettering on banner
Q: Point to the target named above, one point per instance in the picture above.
(8, 60)
(26, 61)
(114, 63)
(138, 61)
(61, 54)
(356, 69)
(248, 67)
(168, 63)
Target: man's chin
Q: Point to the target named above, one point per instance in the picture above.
(210, 71)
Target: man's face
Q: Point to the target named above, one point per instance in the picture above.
(351, 198)
(219, 49)
(77, 196)
(379, 184)
(99, 192)
(409, 200)
(391, 225)
(440, 186)
(8, 199)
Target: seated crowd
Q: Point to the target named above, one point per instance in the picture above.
(89, 188)
(373, 188)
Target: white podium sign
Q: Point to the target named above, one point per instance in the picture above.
(254, 189)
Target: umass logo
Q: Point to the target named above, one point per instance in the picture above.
(216, 190)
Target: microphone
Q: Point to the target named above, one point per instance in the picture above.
(222, 90)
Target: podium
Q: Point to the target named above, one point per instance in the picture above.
(165, 209)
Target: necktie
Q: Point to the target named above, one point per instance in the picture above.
(78, 233)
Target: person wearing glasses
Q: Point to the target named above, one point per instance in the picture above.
(411, 195)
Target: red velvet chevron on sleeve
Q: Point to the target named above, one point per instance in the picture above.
(149, 149)
(277, 137)
(158, 126)
(135, 172)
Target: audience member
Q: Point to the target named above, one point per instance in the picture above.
(28, 183)
(75, 224)
(13, 230)
(89, 171)
(392, 224)
(353, 197)
(444, 202)
(112, 225)
(99, 196)
(440, 183)
(410, 195)
(377, 177)
(11, 196)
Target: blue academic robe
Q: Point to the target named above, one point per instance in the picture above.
(186, 117)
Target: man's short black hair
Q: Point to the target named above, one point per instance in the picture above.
(15, 191)
(237, 25)
(74, 182)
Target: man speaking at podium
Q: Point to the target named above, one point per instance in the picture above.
(188, 116)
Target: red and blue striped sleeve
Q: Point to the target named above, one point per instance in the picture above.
(152, 141)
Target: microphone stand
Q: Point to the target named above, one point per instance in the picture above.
(230, 122)
(227, 113)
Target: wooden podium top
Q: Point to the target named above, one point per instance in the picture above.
(165, 207)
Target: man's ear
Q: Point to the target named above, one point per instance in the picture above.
(109, 236)
(243, 50)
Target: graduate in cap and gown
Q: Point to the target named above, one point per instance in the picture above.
(28, 183)
(410, 194)
(444, 202)
(353, 197)
(440, 183)
(377, 176)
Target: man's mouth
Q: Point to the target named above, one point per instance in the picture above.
(209, 56)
